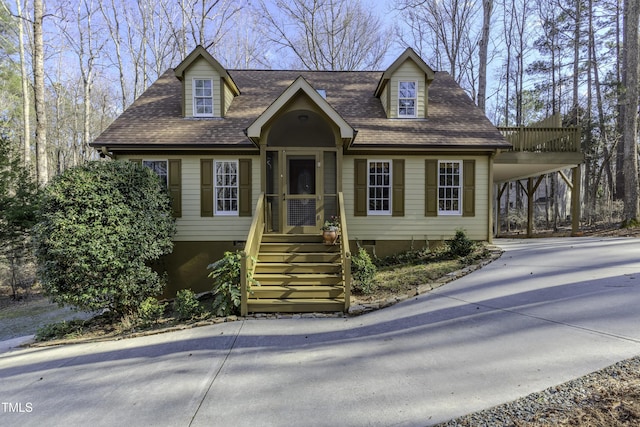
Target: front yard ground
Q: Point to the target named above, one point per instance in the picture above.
(606, 398)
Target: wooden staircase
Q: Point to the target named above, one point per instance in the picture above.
(297, 273)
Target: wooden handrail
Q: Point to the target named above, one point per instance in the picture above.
(543, 139)
(250, 252)
(345, 253)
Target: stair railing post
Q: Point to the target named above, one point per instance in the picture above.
(244, 270)
(347, 281)
(345, 253)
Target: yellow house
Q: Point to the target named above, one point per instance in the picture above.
(258, 160)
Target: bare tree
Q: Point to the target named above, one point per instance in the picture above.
(243, 47)
(608, 143)
(630, 125)
(447, 25)
(516, 37)
(26, 95)
(487, 7)
(38, 86)
(112, 19)
(86, 43)
(620, 186)
(208, 20)
(327, 34)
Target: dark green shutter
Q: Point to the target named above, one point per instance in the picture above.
(206, 187)
(431, 188)
(360, 187)
(138, 161)
(245, 188)
(469, 188)
(397, 183)
(175, 186)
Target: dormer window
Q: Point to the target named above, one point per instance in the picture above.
(407, 97)
(202, 97)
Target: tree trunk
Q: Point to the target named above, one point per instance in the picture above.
(26, 98)
(38, 86)
(487, 6)
(630, 124)
(619, 193)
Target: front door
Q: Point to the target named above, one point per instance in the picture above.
(302, 201)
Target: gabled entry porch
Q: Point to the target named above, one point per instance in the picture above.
(286, 267)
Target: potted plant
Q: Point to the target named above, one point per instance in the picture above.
(331, 230)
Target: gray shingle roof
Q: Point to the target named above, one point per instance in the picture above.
(155, 118)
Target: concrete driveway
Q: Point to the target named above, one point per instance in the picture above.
(547, 311)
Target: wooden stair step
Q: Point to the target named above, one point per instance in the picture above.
(299, 257)
(297, 267)
(291, 292)
(297, 279)
(297, 247)
(294, 305)
(291, 238)
(297, 273)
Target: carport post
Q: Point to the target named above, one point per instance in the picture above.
(575, 201)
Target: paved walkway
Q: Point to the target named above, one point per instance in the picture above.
(547, 311)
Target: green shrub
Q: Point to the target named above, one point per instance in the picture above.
(631, 223)
(186, 305)
(363, 272)
(226, 284)
(413, 256)
(460, 245)
(151, 310)
(100, 226)
(59, 330)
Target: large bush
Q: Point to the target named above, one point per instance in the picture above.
(100, 226)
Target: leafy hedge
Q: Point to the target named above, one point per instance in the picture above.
(100, 226)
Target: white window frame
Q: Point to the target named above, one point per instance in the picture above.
(414, 99)
(147, 164)
(445, 186)
(382, 186)
(226, 185)
(196, 97)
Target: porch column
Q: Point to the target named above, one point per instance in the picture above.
(530, 192)
(499, 198)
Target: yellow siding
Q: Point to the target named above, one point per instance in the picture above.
(191, 226)
(201, 69)
(384, 99)
(407, 72)
(414, 225)
(228, 99)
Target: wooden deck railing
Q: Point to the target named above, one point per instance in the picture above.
(250, 253)
(543, 139)
(345, 252)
